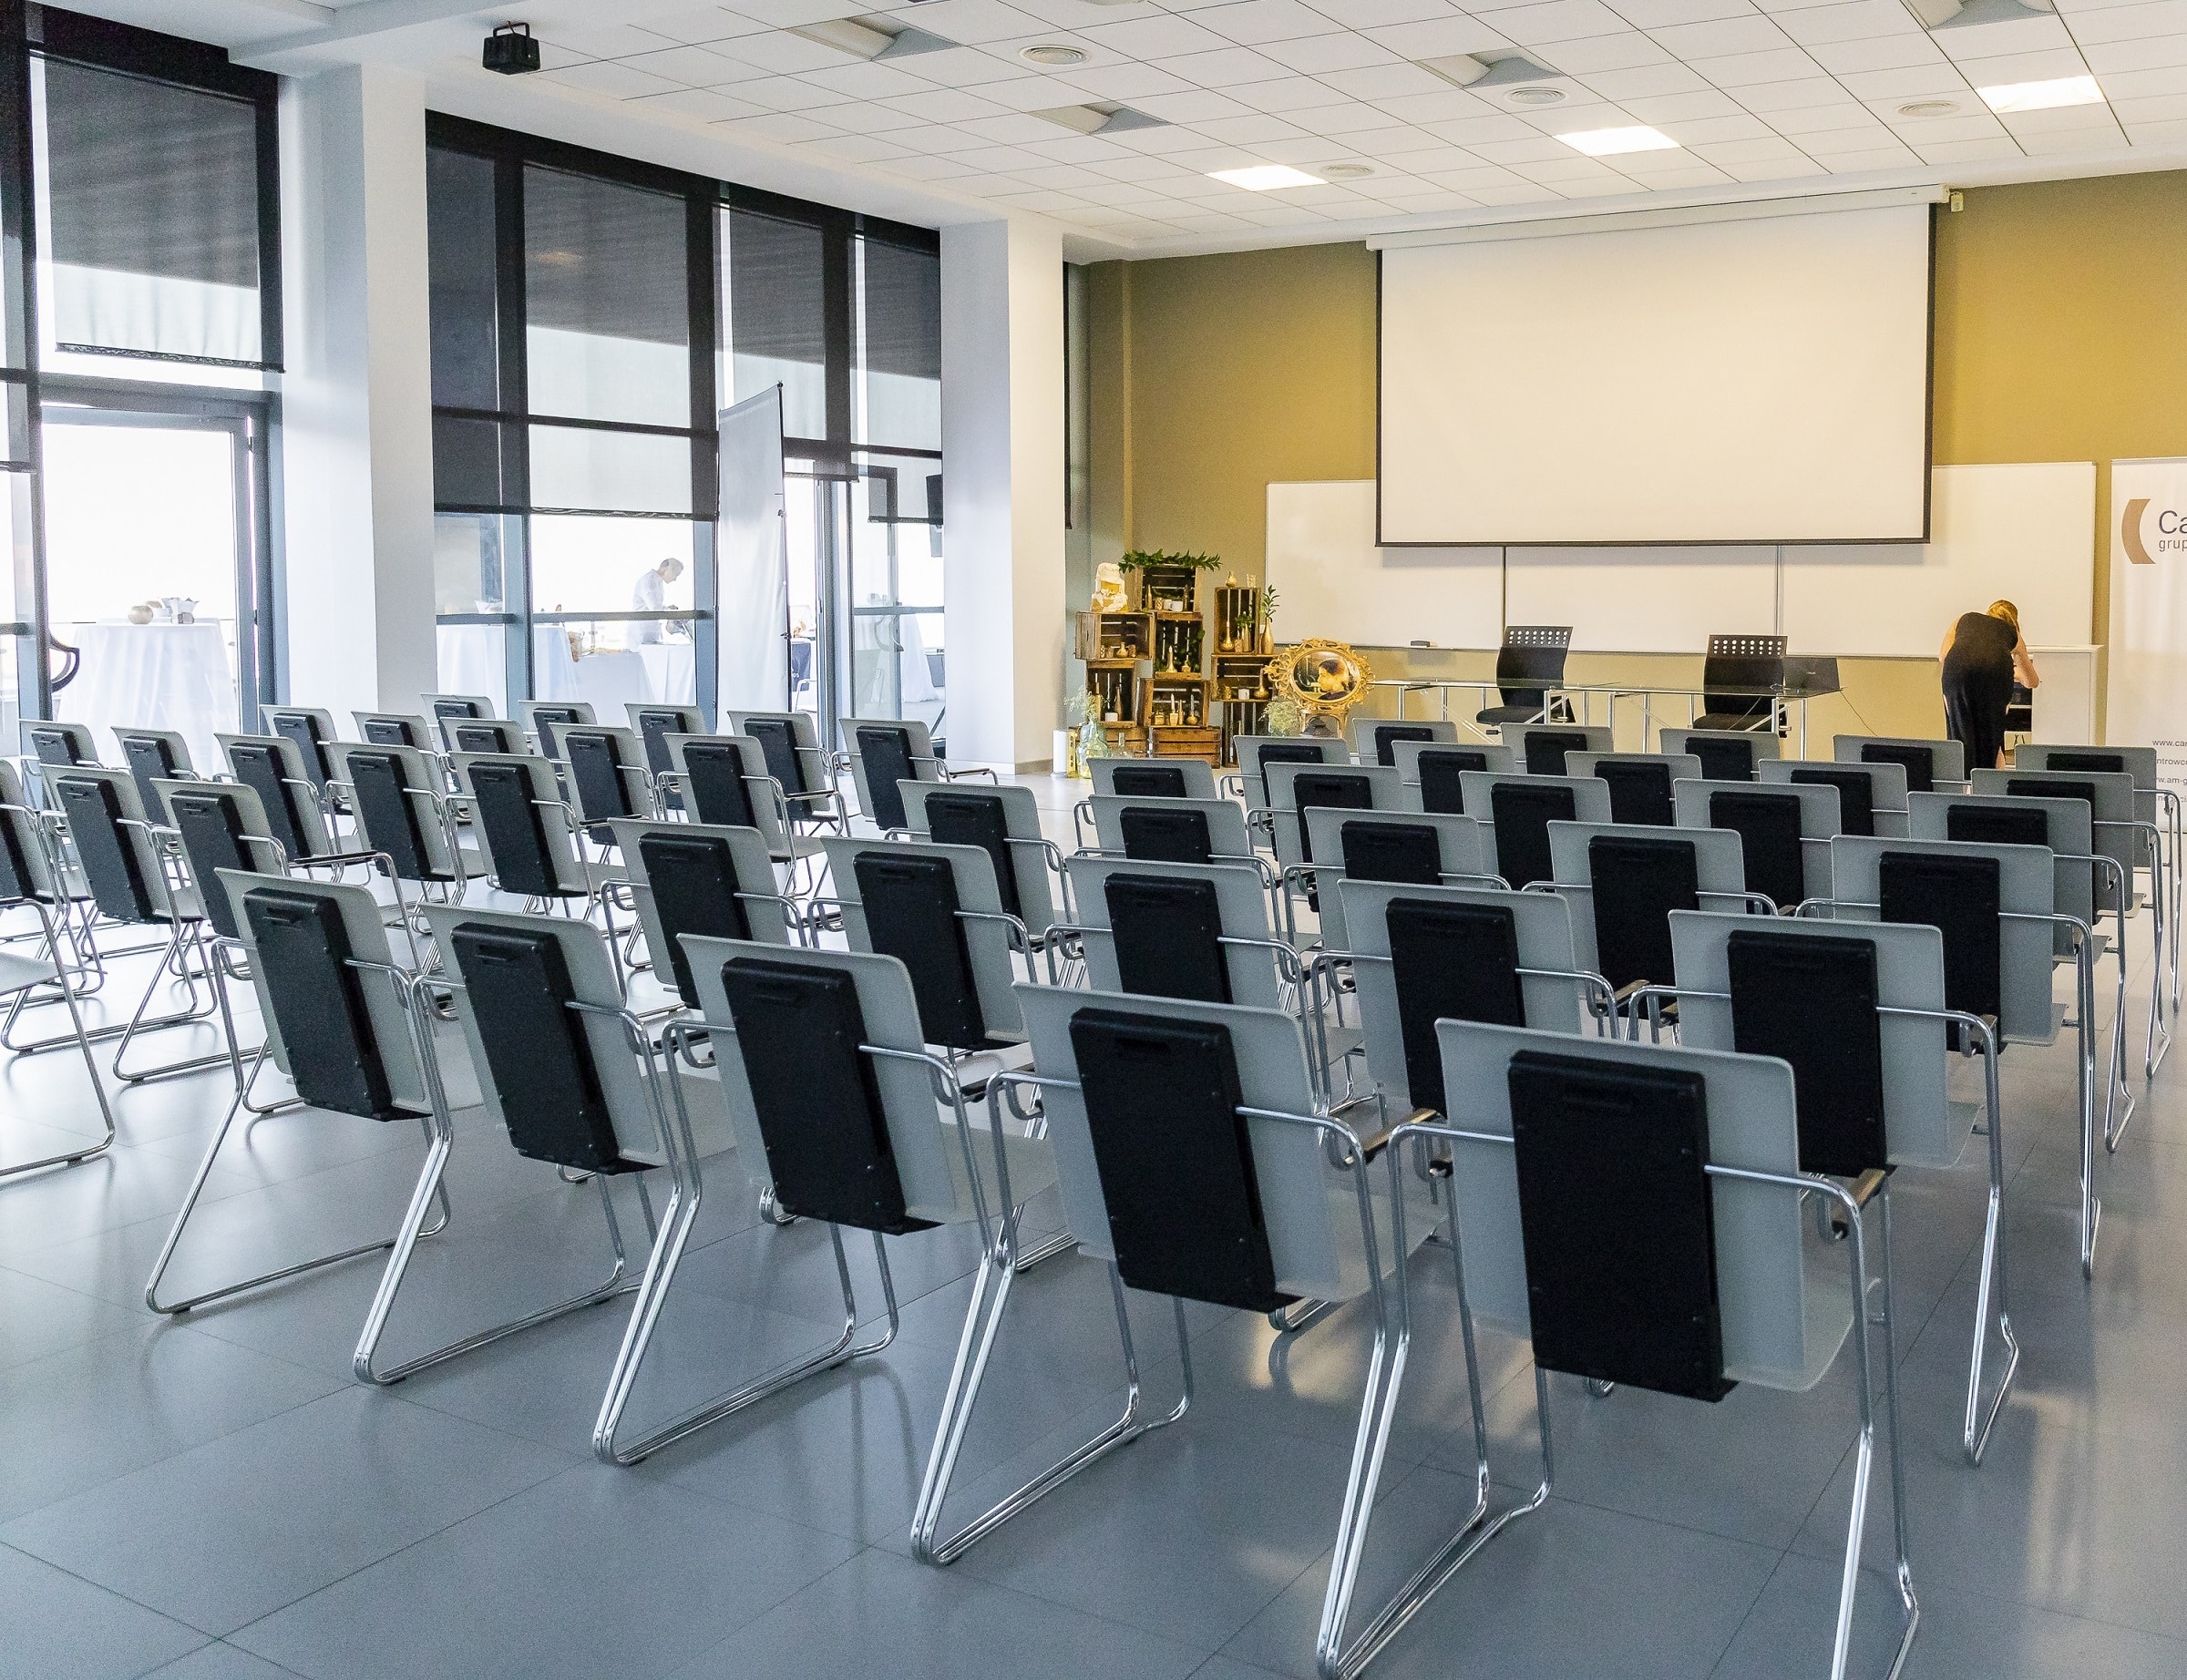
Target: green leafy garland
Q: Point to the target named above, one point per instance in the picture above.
(1140, 558)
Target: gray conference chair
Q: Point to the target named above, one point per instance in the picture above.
(1374, 739)
(1872, 798)
(1640, 784)
(1412, 847)
(790, 743)
(1154, 778)
(1539, 749)
(1726, 755)
(1004, 823)
(1433, 772)
(1931, 766)
(1784, 830)
(1519, 808)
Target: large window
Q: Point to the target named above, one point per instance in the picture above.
(142, 324)
(573, 390)
(590, 316)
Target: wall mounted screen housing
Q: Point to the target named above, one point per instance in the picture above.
(1764, 379)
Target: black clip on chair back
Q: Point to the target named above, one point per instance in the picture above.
(302, 728)
(1811, 1002)
(1387, 736)
(112, 868)
(1856, 796)
(596, 767)
(963, 817)
(1962, 898)
(1619, 1223)
(149, 761)
(1639, 794)
(1175, 1158)
(1147, 782)
(1449, 961)
(515, 831)
(1441, 768)
(714, 778)
(211, 825)
(1166, 934)
(1408, 854)
(885, 751)
(815, 1095)
(1546, 749)
(693, 881)
(1919, 761)
(258, 768)
(1522, 816)
(1152, 834)
(389, 811)
(319, 1002)
(537, 1048)
(1767, 826)
(1638, 883)
(778, 746)
(1723, 761)
(910, 906)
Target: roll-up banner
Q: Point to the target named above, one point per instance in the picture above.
(2148, 687)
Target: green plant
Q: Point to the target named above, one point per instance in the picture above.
(1140, 558)
(1268, 604)
(1283, 717)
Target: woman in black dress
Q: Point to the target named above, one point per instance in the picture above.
(1983, 655)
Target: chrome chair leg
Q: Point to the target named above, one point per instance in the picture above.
(189, 1202)
(68, 1158)
(990, 1294)
(183, 940)
(1974, 1435)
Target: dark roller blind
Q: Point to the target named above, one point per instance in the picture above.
(153, 193)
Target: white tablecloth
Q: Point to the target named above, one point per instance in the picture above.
(155, 676)
(471, 662)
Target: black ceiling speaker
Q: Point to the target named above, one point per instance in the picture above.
(511, 51)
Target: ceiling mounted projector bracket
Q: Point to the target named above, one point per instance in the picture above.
(510, 51)
(872, 37)
(1489, 69)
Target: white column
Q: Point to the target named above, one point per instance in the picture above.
(1002, 491)
(357, 395)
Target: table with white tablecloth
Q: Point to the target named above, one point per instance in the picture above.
(154, 676)
(610, 681)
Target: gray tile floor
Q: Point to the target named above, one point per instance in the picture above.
(215, 1498)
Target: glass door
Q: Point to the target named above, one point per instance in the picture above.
(155, 574)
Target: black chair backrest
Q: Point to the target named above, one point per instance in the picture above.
(885, 751)
(1811, 1002)
(715, 777)
(814, 1094)
(55, 746)
(1522, 816)
(1742, 662)
(1639, 793)
(1723, 761)
(18, 878)
(302, 728)
(1440, 790)
(1533, 655)
(149, 760)
(486, 735)
(1920, 762)
(103, 846)
(515, 831)
(1285, 752)
(1387, 736)
(1148, 780)
(1175, 1158)
(456, 709)
(537, 1053)
(548, 720)
(1335, 789)
(1638, 881)
(1767, 826)
(1546, 749)
(1158, 834)
(305, 953)
(778, 746)
(2047, 787)
(1407, 853)
(1997, 824)
(258, 768)
(1962, 897)
(2111, 763)
(1166, 934)
(1448, 962)
(693, 881)
(655, 725)
(388, 810)
(1617, 1222)
(968, 817)
(1856, 795)
(211, 821)
(910, 906)
(595, 767)
(391, 733)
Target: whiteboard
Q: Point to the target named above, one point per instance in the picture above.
(1334, 581)
(2023, 532)
(1645, 600)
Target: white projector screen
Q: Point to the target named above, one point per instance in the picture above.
(1763, 380)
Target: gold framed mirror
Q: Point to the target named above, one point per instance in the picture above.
(1324, 678)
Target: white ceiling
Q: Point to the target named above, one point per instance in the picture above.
(1754, 93)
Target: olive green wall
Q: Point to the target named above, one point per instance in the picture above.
(2060, 335)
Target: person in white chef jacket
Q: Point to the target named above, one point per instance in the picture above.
(650, 594)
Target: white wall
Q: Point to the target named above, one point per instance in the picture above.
(1002, 502)
(357, 402)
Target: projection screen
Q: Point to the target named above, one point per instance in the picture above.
(1758, 380)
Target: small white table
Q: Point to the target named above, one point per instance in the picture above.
(154, 676)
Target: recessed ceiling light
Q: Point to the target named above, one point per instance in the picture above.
(1101, 118)
(1930, 107)
(1053, 55)
(1613, 142)
(2042, 96)
(1534, 96)
(1266, 176)
(1343, 171)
